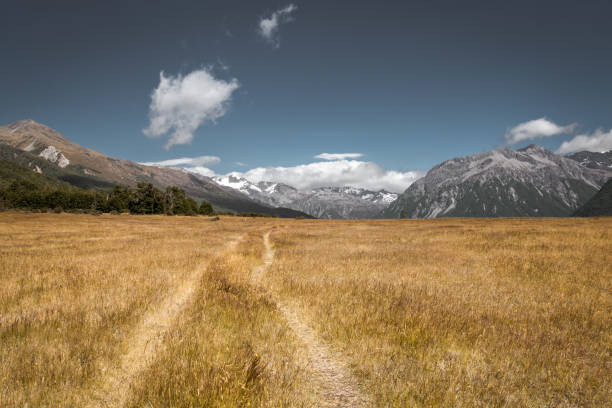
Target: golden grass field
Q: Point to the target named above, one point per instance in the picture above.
(155, 311)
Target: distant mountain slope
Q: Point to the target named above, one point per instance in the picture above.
(273, 194)
(79, 165)
(527, 182)
(324, 202)
(13, 172)
(599, 205)
(593, 160)
(343, 202)
(69, 173)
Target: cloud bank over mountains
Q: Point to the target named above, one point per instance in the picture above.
(598, 141)
(181, 104)
(335, 173)
(330, 173)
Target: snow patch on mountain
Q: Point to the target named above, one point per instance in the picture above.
(238, 183)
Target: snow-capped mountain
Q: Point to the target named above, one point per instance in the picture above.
(343, 202)
(593, 160)
(274, 194)
(324, 202)
(527, 182)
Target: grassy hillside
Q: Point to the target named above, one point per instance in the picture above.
(71, 174)
(12, 172)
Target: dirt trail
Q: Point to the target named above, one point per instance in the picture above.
(144, 341)
(331, 379)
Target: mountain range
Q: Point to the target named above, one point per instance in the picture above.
(322, 202)
(532, 181)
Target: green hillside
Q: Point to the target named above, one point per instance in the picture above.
(73, 175)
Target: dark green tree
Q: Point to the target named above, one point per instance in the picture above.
(175, 200)
(206, 208)
(119, 199)
(146, 200)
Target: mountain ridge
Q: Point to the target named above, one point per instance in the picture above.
(36, 139)
(593, 160)
(531, 181)
(323, 202)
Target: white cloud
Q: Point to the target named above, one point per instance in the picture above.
(268, 27)
(598, 141)
(241, 164)
(181, 104)
(182, 161)
(201, 170)
(335, 174)
(535, 129)
(338, 156)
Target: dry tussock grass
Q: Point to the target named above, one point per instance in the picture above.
(230, 349)
(74, 285)
(460, 312)
(425, 313)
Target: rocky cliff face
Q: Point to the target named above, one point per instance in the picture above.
(593, 160)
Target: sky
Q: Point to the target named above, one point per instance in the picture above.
(311, 92)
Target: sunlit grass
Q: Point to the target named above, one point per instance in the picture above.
(460, 312)
(73, 285)
(457, 312)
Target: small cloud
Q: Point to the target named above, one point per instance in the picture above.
(268, 27)
(535, 129)
(202, 171)
(338, 156)
(241, 164)
(186, 161)
(181, 104)
(598, 141)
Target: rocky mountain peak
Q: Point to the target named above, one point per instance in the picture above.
(532, 181)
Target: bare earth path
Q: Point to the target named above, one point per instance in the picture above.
(330, 376)
(144, 341)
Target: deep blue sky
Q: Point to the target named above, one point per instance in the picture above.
(407, 83)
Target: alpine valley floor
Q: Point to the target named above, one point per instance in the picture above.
(156, 311)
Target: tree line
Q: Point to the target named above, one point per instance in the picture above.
(144, 199)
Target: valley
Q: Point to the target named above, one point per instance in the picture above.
(527, 182)
(306, 204)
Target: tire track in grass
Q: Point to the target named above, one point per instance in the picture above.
(330, 377)
(143, 342)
